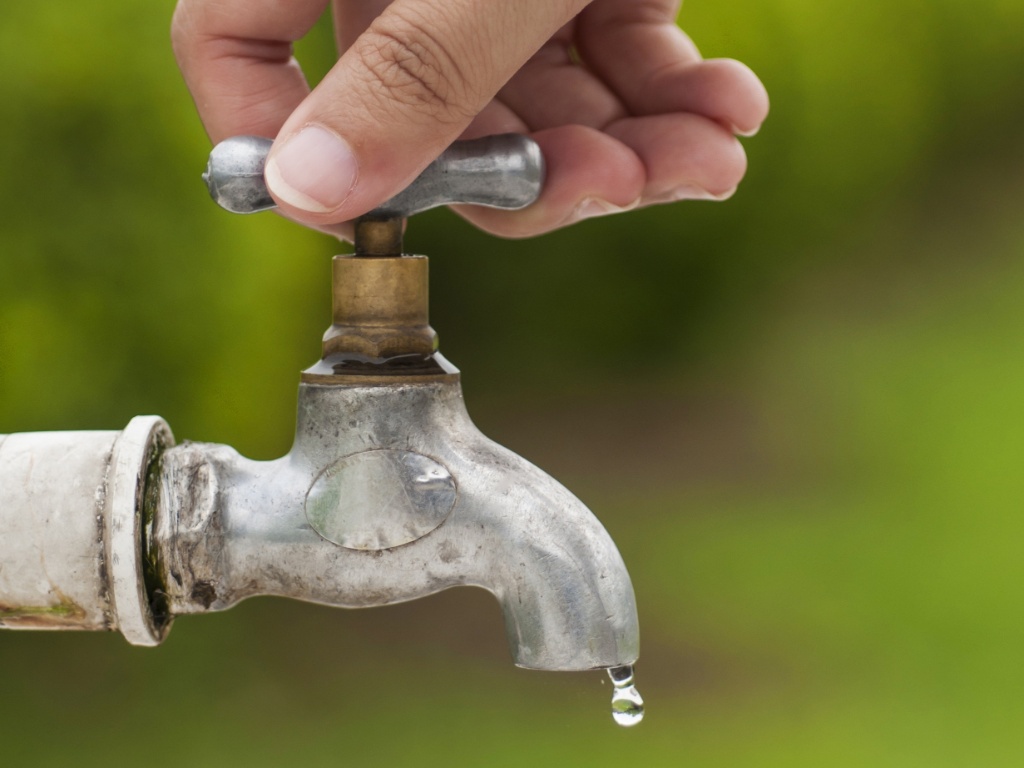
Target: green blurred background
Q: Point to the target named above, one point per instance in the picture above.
(800, 413)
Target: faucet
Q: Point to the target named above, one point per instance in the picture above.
(389, 492)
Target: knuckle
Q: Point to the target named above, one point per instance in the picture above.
(411, 66)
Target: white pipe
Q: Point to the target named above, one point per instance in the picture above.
(71, 522)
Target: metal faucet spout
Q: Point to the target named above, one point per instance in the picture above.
(390, 493)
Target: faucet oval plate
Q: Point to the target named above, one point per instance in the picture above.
(380, 499)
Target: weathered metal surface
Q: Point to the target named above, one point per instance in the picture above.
(380, 498)
(228, 528)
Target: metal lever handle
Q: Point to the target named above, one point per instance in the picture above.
(505, 171)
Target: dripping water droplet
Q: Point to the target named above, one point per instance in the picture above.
(627, 704)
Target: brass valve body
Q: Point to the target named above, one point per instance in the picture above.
(380, 308)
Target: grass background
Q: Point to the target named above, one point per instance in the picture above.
(799, 413)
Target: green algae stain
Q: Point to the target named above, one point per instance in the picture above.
(61, 615)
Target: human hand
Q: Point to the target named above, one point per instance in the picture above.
(625, 110)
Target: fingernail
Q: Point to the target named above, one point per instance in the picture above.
(687, 192)
(592, 207)
(315, 170)
(745, 133)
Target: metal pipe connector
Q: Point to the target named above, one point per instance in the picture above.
(380, 308)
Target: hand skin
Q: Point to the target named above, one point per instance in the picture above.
(623, 106)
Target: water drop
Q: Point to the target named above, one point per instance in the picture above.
(627, 704)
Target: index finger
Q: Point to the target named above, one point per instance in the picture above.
(236, 57)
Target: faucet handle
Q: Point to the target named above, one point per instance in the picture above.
(503, 171)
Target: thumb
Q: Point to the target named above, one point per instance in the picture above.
(405, 89)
